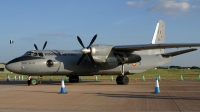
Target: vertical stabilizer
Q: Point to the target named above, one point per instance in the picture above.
(159, 37)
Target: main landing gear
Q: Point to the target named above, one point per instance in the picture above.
(122, 79)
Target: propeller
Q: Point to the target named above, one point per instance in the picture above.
(86, 50)
(43, 46)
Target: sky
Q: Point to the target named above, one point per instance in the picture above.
(117, 22)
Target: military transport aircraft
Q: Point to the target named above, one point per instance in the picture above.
(99, 59)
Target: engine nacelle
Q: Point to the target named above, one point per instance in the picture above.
(127, 58)
(133, 58)
(51, 63)
(106, 56)
(100, 52)
(103, 54)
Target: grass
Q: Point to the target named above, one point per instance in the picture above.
(172, 74)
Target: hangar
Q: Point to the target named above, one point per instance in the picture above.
(3, 68)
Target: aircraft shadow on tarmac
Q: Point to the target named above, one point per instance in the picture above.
(151, 95)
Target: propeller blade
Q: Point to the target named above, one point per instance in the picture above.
(91, 59)
(35, 46)
(44, 45)
(92, 41)
(79, 61)
(80, 41)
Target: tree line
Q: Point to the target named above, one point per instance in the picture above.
(178, 67)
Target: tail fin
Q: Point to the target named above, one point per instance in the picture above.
(159, 36)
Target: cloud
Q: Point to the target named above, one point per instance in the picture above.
(171, 7)
(138, 4)
(195, 6)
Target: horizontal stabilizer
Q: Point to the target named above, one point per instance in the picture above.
(171, 54)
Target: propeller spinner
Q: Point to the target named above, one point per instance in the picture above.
(86, 50)
(43, 46)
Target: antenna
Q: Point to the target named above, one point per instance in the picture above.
(11, 42)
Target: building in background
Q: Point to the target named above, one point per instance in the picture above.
(3, 68)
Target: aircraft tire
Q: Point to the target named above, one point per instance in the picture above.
(73, 79)
(122, 80)
(33, 82)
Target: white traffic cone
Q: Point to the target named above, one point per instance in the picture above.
(80, 78)
(159, 79)
(111, 78)
(157, 89)
(181, 79)
(19, 78)
(22, 77)
(63, 89)
(96, 78)
(8, 78)
(15, 78)
(143, 78)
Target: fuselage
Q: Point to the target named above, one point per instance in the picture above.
(64, 62)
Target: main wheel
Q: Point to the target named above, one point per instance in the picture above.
(122, 80)
(73, 79)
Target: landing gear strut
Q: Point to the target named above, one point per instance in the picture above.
(122, 79)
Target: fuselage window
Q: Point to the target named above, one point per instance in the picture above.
(40, 54)
(35, 54)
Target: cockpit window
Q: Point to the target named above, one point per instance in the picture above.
(40, 54)
(29, 54)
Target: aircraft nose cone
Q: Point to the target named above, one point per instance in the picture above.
(14, 67)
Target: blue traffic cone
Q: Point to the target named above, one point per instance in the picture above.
(157, 89)
(63, 89)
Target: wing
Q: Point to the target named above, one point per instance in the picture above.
(153, 46)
